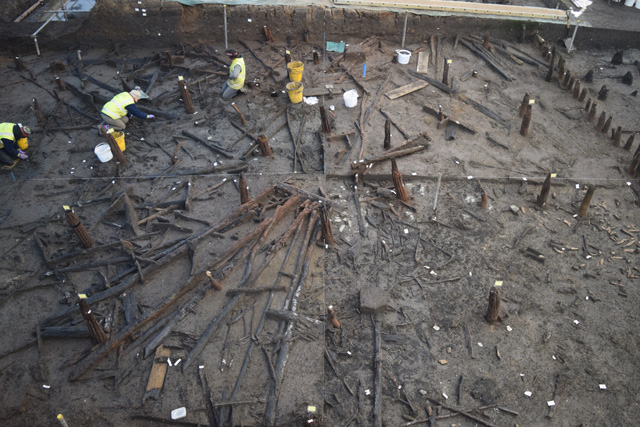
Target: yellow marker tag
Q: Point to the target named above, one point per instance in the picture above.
(82, 296)
(449, 61)
(66, 208)
(180, 78)
(287, 52)
(311, 409)
(553, 175)
(532, 101)
(498, 283)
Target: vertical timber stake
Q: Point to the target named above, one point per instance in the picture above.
(445, 73)
(97, 333)
(115, 148)
(325, 126)
(544, 192)
(398, 184)
(607, 125)
(583, 95)
(525, 103)
(617, 136)
(264, 146)
(576, 89)
(244, 189)
(584, 206)
(551, 65)
(78, 228)
(387, 134)
(38, 111)
(493, 310)
(601, 120)
(593, 111)
(526, 120)
(629, 143)
(186, 98)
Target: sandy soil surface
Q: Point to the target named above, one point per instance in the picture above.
(563, 353)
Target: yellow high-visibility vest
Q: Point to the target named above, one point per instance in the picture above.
(238, 82)
(116, 108)
(6, 132)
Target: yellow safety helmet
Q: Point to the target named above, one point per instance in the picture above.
(23, 144)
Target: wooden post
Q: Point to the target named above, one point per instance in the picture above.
(551, 65)
(584, 206)
(544, 192)
(583, 95)
(486, 43)
(526, 120)
(445, 73)
(387, 134)
(61, 83)
(629, 143)
(525, 103)
(268, 34)
(264, 146)
(325, 126)
(78, 228)
(115, 148)
(601, 120)
(607, 125)
(244, 189)
(287, 57)
(560, 66)
(593, 111)
(398, 184)
(493, 310)
(169, 58)
(327, 233)
(634, 163)
(316, 58)
(617, 137)
(567, 78)
(186, 98)
(98, 336)
(213, 281)
(20, 65)
(38, 111)
(572, 81)
(576, 89)
(242, 119)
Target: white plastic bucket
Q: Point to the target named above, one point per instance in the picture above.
(629, 3)
(637, 4)
(103, 151)
(403, 56)
(350, 98)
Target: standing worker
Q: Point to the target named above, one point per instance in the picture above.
(13, 142)
(116, 112)
(237, 71)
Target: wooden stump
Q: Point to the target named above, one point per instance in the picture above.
(544, 192)
(526, 120)
(38, 111)
(242, 119)
(493, 310)
(607, 125)
(593, 111)
(576, 89)
(98, 336)
(567, 78)
(186, 97)
(617, 136)
(331, 316)
(78, 228)
(115, 148)
(398, 184)
(387, 134)
(264, 146)
(583, 94)
(551, 65)
(325, 126)
(244, 189)
(629, 143)
(634, 163)
(601, 120)
(525, 103)
(584, 206)
(445, 73)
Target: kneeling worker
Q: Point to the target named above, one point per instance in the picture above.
(13, 142)
(237, 71)
(116, 112)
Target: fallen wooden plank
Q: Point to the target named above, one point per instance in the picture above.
(423, 62)
(406, 89)
(158, 372)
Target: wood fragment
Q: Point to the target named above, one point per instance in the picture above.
(157, 374)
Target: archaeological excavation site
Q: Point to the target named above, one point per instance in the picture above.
(331, 213)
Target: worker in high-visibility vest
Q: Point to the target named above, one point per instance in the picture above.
(237, 72)
(116, 113)
(13, 142)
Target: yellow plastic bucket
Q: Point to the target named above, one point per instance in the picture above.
(119, 137)
(294, 89)
(295, 69)
(23, 143)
